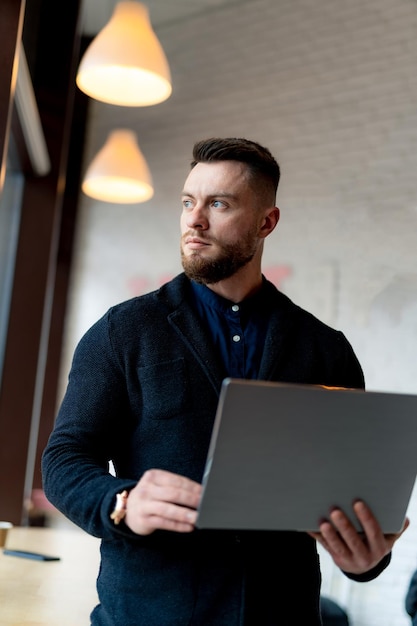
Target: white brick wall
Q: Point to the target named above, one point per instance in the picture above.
(331, 88)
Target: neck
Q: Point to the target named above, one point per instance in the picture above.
(246, 282)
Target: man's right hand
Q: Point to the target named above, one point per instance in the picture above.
(162, 500)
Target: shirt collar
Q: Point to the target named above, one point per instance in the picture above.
(209, 298)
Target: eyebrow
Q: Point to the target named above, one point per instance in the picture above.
(219, 194)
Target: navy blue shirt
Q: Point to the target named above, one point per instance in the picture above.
(238, 330)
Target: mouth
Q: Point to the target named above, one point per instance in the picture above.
(195, 243)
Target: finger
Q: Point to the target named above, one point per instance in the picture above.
(319, 538)
(169, 511)
(148, 525)
(168, 494)
(163, 479)
(375, 538)
(338, 551)
(161, 523)
(334, 534)
(378, 542)
(345, 538)
(368, 520)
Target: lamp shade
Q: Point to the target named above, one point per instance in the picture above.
(119, 173)
(125, 63)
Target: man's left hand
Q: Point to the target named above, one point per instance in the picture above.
(354, 552)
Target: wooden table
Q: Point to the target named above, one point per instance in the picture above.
(49, 593)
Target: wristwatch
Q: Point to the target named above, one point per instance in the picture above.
(120, 510)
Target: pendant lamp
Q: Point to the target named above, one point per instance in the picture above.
(119, 173)
(125, 63)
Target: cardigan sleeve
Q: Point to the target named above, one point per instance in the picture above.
(372, 573)
(75, 462)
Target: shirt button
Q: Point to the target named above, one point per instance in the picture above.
(235, 307)
(236, 338)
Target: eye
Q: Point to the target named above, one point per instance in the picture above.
(187, 204)
(218, 204)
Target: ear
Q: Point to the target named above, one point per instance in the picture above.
(271, 219)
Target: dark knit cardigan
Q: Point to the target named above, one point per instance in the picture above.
(142, 393)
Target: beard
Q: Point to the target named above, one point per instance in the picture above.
(229, 260)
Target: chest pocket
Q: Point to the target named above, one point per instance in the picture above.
(164, 389)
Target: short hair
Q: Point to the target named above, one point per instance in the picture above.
(259, 160)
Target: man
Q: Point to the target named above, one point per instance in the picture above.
(142, 394)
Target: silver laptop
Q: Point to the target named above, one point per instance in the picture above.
(283, 455)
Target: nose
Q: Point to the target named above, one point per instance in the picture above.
(196, 218)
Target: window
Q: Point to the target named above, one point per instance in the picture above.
(10, 202)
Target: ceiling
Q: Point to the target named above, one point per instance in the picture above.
(96, 13)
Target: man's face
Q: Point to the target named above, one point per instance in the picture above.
(220, 221)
